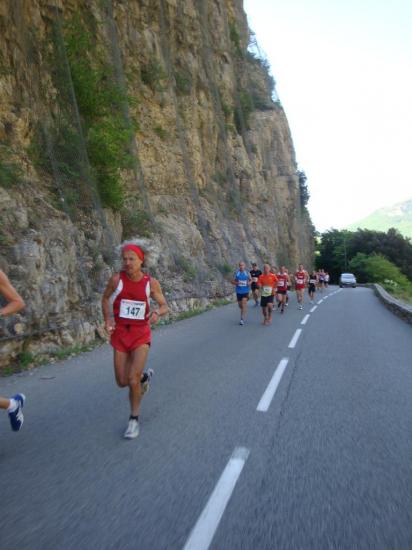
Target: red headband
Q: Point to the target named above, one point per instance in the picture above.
(134, 248)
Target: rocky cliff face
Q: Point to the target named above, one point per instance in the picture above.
(147, 119)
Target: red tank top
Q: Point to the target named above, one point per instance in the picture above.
(131, 304)
(300, 279)
(282, 281)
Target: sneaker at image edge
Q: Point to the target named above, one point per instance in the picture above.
(132, 430)
(16, 417)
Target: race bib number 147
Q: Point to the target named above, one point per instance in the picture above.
(132, 309)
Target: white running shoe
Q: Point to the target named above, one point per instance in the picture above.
(132, 429)
(241, 322)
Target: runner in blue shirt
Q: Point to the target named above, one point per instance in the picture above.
(242, 280)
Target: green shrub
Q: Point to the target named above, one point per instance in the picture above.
(153, 75)
(225, 269)
(242, 111)
(220, 178)
(183, 82)
(136, 222)
(375, 268)
(161, 132)
(235, 39)
(100, 102)
(189, 270)
(10, 173)
(25, 359)
(227, 110)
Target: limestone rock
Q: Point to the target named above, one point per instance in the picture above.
(213, 178)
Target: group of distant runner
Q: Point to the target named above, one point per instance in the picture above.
(128, 316)
(272, 285)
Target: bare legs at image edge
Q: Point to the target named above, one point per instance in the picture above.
(15, 303)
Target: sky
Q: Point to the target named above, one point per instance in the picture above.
(343, 71)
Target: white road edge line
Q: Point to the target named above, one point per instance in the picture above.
(320, 301)
(305, 319)
(270, 391)
(203, 532)
(295, 338)
(313, 309)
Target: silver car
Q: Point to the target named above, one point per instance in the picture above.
(347, 279)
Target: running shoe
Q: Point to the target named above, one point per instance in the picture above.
(241, 322)
(145, 380)
(132, 430)
(16, 417)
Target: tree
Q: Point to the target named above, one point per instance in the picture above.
(303, 188)
(375, 268)
(337, 249)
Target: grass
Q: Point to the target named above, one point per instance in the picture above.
(27, 360)
(161, 132)
(402, 294)
(10, 171)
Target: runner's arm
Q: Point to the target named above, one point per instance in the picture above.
(157, 294)
(110, 288)
(15, 301)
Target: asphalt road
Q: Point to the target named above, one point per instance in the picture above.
(327, 466)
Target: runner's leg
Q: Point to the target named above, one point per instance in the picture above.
(243, 308)
(138, 358)
(4, 403)
(121, 361)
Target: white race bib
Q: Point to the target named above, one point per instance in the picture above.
(267, 291)
(312, 281)
(254, 279)
(300, 281)
(242, 283)
(281, 283)
(132, 309)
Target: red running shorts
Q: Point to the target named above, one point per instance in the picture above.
(127, 338)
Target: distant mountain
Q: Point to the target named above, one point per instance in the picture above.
(398, 216)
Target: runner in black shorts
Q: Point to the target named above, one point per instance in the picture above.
(313, 281)
(255, 273)
(267, 282)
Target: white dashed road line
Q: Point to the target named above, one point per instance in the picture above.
(295, 338)
(203, 532)
(320, 301)
(313, 309)
(305, 319)
(270, 391)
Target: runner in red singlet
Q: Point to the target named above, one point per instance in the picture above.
(15, 303)
(301, 278)
(282, 287)
(131, 290)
